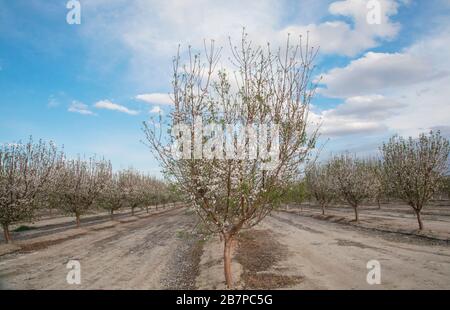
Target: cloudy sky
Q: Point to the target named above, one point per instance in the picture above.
(90, 86)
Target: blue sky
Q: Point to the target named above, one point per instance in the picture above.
(90, 86)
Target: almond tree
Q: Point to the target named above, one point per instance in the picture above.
(113, 197)
(416, 168)
(145, 191)
(230, 191)
(79, 183)
(131, 183)
(446, 187)
(172, 193)
(25, 170)
(382, 185)
(354, 179)
(151, 189)
(296, 193)
(161, 198)
(320, 184)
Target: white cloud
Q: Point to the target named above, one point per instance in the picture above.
(156, 110)
(358, 10)
(79, 107)
(150, 31)
(108, 105)
(152, 41)
(373, 107)
(410, 88)
(155, 98)
(376, 72)
(343, 38)
(341, 126)
(357, 115)
(427, 107)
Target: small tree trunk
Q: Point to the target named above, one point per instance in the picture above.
(323, 209)
(77, 219)
(227, 260)
(379, 204)
(6, 233)
(146, 209)
(419, 219)
(132, 211)
(112, 214)
(355, 208)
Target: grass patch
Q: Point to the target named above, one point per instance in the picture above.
(184, 235)
(23, 228)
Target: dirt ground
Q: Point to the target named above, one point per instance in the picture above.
(293, 249)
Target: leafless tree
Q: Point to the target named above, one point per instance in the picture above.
(78, 184)
(354, 179)
(266, 88)
(25, 170)
(416, 168)
(320, 184)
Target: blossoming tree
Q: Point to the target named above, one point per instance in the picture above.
(230, 178)
(416, 168)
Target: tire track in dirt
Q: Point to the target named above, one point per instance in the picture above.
(128, 256)
(337, 257)
(387, 234)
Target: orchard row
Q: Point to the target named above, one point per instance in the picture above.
(410, 170)
(36, 176)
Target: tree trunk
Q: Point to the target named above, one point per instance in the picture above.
(146, 208)
(112, 214)
(356, 214)
(419, 219)
(227, 260)
(6, 233)
(379, 204)
(323, 209)
(77, 219)
(132, 211)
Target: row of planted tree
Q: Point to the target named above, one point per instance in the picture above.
(36, 176)
(410, 170)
